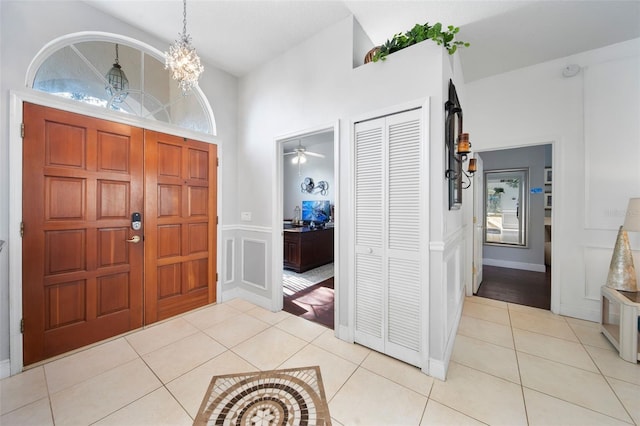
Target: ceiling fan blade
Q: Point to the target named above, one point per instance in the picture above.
(314, 154)
(289, 153)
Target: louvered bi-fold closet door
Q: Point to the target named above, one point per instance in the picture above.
(388, 176)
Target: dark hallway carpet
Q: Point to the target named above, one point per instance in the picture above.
(516, 286)
(314, 303)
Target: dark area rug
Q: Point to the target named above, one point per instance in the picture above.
(516, 286)
(293, 396)
(314, 303)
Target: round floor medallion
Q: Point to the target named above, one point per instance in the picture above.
(277, 397)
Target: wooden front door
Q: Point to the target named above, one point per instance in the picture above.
(180, 245)
(85, 277)
(82, 279)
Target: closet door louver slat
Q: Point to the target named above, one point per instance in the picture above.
(404, 185)
(368, 191)
(369, 295)
(404, 323)
(368, 235)
(404, 315)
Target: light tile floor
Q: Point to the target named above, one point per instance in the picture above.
(511, 365)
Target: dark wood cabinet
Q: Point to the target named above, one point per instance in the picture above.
(306, 249)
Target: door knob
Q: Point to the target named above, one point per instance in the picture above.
(134, 239)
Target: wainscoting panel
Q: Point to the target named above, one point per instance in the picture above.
(447, 262)
(453, 281)
(229, 260)
(254, 271)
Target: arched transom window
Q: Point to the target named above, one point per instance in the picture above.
(76, 67)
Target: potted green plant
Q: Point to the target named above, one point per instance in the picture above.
(415, 35)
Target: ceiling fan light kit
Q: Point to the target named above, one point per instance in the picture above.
(301, 154)
(299, 159)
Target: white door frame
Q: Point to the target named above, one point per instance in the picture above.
(556, 160)
(17, 99)
(478, 225)
(277, 240)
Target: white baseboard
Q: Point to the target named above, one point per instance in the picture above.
(440, 367)
(437, 369)
(5, 368)
(514, 265)
(229, 294)
(234, 293)
(580, 312)
(343, 333)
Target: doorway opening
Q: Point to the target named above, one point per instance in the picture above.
(307, 226)
(513, 208)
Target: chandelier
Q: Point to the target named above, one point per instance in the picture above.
(117, 81)
(182, 59)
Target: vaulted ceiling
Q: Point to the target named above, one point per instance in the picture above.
(239, 35)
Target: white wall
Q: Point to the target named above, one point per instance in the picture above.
(298, 90)
(25, 27)
(302, 89)
(592, 120)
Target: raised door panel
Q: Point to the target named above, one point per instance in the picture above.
(181, 225)
(291, 250)
(324, 246)
(307, 252)
(82, 282)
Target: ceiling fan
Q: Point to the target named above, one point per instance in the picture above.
(301, 153)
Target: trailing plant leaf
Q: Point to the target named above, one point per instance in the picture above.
(418, 34)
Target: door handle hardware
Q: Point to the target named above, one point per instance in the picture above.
(134, 239)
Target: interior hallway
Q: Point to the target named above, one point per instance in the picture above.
(516, 286)
(511, 365)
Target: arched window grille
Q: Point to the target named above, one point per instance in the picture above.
(76, 67)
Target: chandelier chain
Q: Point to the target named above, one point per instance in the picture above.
(184, 18)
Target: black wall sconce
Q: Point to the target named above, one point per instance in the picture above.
(457, 148)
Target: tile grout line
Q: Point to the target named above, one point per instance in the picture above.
(565, 400)
(162, 384)
(458, 411)
(555, 360)
(46, 384)
(576, 405)
(344, 383)
(600, 373)
(604, 376)
(515, 350)
(165, 385)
